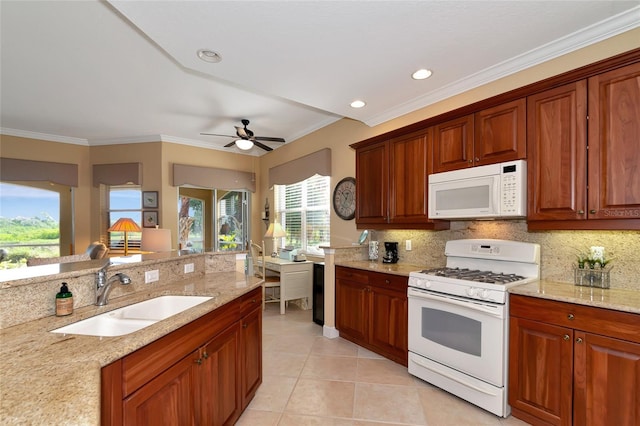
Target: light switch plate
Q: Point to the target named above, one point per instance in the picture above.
(151, 276)
(407, 245)
(188, 268)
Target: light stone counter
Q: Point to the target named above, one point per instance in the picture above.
(387, 268)
(617, 299)
(54, 379)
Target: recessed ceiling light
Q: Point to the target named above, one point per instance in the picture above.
(357, 104)
(421, 74)
(209, 56)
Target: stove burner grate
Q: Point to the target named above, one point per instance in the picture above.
(474, 275)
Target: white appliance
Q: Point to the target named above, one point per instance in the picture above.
(458, 318)
(491, 191)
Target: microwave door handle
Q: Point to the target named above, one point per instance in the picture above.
(467, 305)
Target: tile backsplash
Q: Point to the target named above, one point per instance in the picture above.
(558, 248)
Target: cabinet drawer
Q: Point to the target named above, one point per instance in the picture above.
(250, 301)
(394, 282)
(622, 325)
(351, 274)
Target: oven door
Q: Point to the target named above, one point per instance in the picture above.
(462, 334)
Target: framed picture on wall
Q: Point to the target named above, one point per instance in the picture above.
(149, 199)
(150, 219)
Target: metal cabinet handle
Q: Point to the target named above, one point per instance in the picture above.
(570, 317)
(470, 161)
(592, 211)
(477, 159)
(579, 340)
(566, 337)
(253, 300)
(580, 211)
(387, 281)
(245, 325)
(198, 361)
(205, 355)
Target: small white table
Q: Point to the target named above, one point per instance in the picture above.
(296, 279)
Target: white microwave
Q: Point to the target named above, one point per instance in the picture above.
(491, 191)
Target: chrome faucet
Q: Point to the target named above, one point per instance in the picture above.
(103, 285)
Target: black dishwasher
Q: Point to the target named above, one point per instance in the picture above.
(318, 293)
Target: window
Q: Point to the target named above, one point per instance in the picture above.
(303, 211)
(125, 201)
(231, 215)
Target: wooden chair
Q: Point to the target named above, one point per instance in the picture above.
(271, 282)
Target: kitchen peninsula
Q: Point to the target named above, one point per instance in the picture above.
(48, 378)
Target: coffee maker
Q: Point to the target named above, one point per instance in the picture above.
(391, 255)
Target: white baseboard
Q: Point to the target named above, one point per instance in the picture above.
(330, 332)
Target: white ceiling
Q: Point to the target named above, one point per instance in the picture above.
(94, 72)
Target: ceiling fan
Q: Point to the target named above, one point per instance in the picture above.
(247, 138)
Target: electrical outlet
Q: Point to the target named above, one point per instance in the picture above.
(188, 268)
(407, 245)
(151, 276)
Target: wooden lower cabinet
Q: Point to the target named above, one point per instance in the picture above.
(372, 311)
(572, 364)
(209, 384)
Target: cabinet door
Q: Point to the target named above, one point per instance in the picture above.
(453, 144)
(540, 371)
(614, 144)
(607, 381)
(372, 184)
(218, 379)
(408, 187)
(389, 323)
(500, 133)
(251, 351)
(557, 153)
(352, 315)
(166, 400)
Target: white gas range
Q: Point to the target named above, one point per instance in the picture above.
(458, 318)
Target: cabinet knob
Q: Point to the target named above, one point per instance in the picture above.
(579, 340)
(245, 325)
(580, 211)
(198, 361)
(592, 211)
(253, 300)
(470, 161)
(570, 317)
(477, 159)
(387, 281)
(566, 337)
(205, 355)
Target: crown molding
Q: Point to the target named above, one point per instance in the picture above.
(43, 136)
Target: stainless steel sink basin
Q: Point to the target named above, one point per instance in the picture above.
(132, 318)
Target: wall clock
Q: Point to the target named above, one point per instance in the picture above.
(344, 198)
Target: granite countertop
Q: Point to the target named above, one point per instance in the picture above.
(48, 378)
(388, 268)
(608, 298)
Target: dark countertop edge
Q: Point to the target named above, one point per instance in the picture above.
(624, 300)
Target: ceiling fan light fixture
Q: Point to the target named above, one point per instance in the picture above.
(244, 144)
(357, 104)
(421, 74)
(208, 55)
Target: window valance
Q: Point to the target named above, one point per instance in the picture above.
(297, 170)
(12, 169)
(210, 177)
(117, 174)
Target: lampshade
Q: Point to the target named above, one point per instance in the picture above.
(244, 144)
(275, 231)
(125, 224)
(156, 239)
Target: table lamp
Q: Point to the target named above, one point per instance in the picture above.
(156, 239)
(125, 224)
(275, 231)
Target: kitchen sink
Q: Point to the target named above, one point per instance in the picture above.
(132, 318)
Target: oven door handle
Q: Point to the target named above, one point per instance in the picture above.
(470, 305)
(450, 377)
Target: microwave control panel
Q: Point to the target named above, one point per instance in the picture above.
(514, 189)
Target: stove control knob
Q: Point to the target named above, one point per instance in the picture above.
(483, 293)
(470, 291)
(427, 284)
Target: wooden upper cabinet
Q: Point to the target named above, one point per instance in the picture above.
(500, 133)
(408, 189)
(492, 135)
(614, 144)
(453, 144)
(556, 156)
(372, 184)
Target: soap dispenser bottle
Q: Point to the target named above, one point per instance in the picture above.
(64, 301)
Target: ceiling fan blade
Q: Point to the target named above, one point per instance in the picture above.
(263, 146)
(230, 144)
(267, 139)
(214, 134)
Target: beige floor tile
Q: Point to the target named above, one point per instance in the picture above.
(335, 347)
(289, 419)
(252, 417)
(383, 371)
(388, 403)
(282, 364)
(366, 353)
(442, 408)
(290, 343)
(330, 368)
(273, 394)
(512, 421)
(327, 398)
